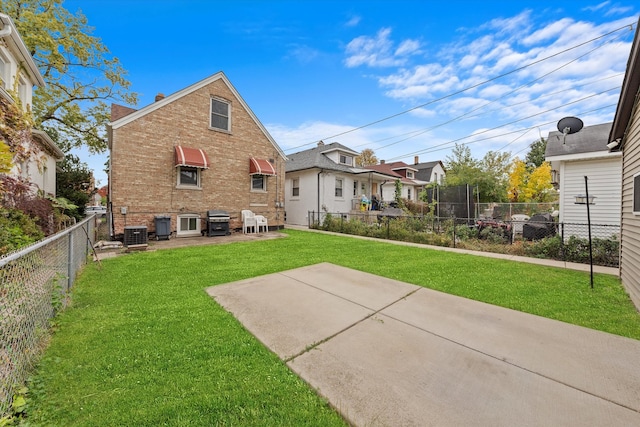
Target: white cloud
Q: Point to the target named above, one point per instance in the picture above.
(353, 22)
(379, 51)
(596, 7)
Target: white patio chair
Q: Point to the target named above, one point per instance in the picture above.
(249, 221)
(261, 222)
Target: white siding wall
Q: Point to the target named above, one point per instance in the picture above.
(604, 178)
(437, 174)
(630, 233)
(297, 207)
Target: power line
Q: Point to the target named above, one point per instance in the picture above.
(431, 149)
(469, 87)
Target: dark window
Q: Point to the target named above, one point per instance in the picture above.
(636, 194)
(220, 114)
(188, 176)
(257, 182)
(296, 188)
(338, 188)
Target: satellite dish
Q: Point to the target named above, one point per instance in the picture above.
(569, 125)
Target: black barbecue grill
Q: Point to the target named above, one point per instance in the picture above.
(217, 223)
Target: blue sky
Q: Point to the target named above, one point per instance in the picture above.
(403, 78)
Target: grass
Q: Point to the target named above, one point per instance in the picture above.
(144, 345)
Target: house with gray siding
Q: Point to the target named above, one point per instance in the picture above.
(625, 138)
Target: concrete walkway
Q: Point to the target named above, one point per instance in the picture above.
(388, 353)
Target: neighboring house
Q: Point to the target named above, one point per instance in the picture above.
(200, 149)
(326, 179)
(581, 154)
(18, 75)
(411, 186)
(431, 172)
(625, 137)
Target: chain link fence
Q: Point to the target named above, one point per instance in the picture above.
(540, 238)
(34, 284)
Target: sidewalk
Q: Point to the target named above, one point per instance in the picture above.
(389, 353)
(548, 262)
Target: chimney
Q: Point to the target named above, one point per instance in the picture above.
(382, 162)
(159, 97)
(320, 143)
(416, 160)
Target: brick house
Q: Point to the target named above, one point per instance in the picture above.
(199, 149)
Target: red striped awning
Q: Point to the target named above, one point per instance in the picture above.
(260, 167)
(193, 157)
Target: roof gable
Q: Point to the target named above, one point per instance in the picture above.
(219, 76)
(316, 157)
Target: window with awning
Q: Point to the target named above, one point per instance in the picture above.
(261, 167)
(191, 157)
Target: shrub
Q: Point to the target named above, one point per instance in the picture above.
(17, 230)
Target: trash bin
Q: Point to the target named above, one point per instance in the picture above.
(163, 227)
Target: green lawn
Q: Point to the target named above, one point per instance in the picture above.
(144, 345)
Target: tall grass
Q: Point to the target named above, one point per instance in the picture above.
(144, 345)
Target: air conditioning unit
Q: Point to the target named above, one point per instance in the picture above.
(135, 235)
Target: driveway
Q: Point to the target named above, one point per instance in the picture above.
(389, 353)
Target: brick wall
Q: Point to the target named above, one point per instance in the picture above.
(144, 176)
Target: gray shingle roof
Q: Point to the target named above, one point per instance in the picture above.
(425, 169)
(590, 139)
(314, 158)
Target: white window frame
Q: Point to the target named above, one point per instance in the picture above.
(346, 160)
(635, 201)
(339, 188)
(4, 68)
(192, 219)
(23, 93)
(409, 193)
(410, 174)
(212, 113)
(198, 184)
(295, 187)
(254, 180)
(355, 188)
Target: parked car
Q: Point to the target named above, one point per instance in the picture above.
(98, 210)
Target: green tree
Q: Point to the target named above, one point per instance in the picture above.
(82, 77)
(535, 156)
(73, 183)
(488, 177)
(367, 157)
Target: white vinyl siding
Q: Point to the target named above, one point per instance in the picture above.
(630, 227)
(604, 184)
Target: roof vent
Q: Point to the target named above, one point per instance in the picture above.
(320, 143)
(159, 97)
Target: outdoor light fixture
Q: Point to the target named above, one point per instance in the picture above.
(582, 200)
(587, 200)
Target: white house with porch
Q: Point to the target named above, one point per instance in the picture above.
(325, 179)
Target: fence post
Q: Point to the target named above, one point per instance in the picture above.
(388, 221)
(562, 254)
(70, 261)
(454, 231)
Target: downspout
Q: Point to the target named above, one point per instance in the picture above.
(321, 170)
